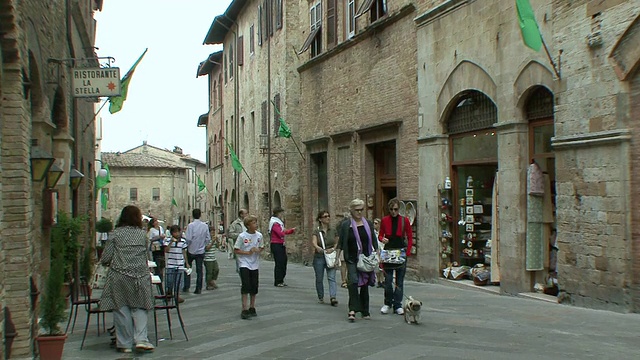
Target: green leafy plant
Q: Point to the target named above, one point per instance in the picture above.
(69, 229)
(53, 301)
(104, 225)
(86, 263)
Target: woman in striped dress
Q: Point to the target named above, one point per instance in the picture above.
(128, 287)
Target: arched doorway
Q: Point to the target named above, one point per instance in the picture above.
(473, 152)
(541, 247)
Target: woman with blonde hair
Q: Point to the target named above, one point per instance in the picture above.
(357, 237)
(324, 241)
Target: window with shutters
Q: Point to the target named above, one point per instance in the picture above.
(240, 50)
(259, 25)
(263, 128)
(155, 194)
(230, 61)
(276, 114)
(252, 46)
(133, 194)
(350, 18)
(332, 24)
(378, 9)
(316, 26)
(279, 14)
(226, 67)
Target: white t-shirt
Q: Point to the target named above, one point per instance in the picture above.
(245, 242)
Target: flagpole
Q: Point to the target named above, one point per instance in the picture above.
(96, 114)
(546, 49)
(245, 172)
(296, 144)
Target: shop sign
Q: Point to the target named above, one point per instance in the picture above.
(95, 82)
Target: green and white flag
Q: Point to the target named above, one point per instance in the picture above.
(116, 102)
(528, 25)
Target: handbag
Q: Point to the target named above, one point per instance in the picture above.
(329, 259)
(99, 278)
(367, 263)
(397, 256)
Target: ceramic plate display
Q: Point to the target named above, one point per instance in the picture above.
(402, 209)
(411, 212)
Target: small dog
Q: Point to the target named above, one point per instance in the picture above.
(412, 310)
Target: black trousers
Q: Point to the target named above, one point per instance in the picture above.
(279, 252)
(358, 295)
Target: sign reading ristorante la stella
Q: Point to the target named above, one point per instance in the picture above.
(98, 82)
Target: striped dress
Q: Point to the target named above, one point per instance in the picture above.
(128, 280)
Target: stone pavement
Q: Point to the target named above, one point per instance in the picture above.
(456, 324)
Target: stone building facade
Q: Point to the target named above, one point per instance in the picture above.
(39, 117)
(576, 127)
(151, 178)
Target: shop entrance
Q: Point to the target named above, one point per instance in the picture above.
(385, 173)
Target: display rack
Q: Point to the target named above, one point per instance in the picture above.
(475, 223)
(446, 221)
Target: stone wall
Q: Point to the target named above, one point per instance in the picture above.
(593, 155)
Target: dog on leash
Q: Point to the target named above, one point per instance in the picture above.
(411, 309)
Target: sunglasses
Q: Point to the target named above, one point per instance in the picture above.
(326, 216)
(359, 210)
(393, 209)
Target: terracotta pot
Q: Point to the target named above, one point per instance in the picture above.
(51, 347)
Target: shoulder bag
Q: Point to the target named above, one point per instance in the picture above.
(329, 259)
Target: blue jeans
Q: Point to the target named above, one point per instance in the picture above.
(199, 258)
(173, 275)
(393, 293)
(320, 265)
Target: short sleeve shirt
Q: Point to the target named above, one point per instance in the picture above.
(245, 242)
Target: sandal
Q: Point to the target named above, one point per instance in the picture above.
(352, 316)
(344, 284)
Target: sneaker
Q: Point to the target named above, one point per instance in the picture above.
(252, 312)
(124, 350)
(145, 346)
(385, 309)
(399, 311)
(320, 301)
(245, 315)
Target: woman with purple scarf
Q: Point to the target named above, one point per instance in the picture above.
(357, 237)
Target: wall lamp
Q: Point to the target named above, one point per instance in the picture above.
(75, 178)
(41, 161)
(54, 174)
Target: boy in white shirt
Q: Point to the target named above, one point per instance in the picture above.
(248, 247)
(175, 254)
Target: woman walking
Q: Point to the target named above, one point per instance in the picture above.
(277, 232)
(127, 290)
(357, 237)
(324, 241)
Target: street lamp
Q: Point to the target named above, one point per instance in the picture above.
(75, 178)
(40, 163)
(54, 174)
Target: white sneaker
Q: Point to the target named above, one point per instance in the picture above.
(399, 311)
(385, 309)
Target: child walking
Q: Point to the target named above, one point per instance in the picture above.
(248, 247)
(175, 253)
(211, 263)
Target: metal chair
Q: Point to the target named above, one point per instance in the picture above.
(80, 294)
(169, 301)
(92, 308)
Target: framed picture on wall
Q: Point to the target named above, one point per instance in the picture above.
(478, 209)
(469, 210)
(469, 192)
(469, 200)
(469, 219)
(468, 228)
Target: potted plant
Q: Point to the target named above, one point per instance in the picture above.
(103, 226)
(51, 342)
(87, 263)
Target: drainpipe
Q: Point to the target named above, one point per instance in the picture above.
(74, 109)
(269, 202)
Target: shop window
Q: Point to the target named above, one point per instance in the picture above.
(476, 146)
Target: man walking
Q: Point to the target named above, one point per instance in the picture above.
(198, 237)
(236, 228)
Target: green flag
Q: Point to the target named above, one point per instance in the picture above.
(102, 181)
(528, 25)
(116, 102)
(283, 129)
(104, 199)
(173, 202)
(235, 162)
(201, 185)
